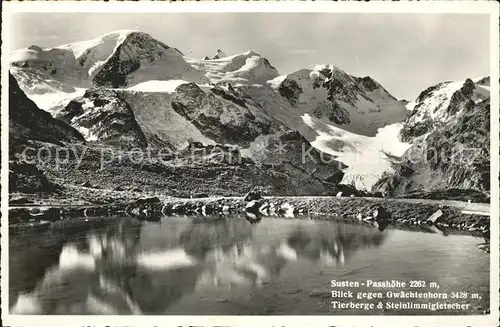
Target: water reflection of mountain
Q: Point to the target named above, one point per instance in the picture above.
(334, 245)
(129, 268)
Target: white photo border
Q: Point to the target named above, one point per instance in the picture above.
(488, 8)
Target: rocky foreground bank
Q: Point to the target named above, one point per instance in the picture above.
(382, 213)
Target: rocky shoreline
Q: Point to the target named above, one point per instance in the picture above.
(381, 213)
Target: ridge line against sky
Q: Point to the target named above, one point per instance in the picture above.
(406, 53)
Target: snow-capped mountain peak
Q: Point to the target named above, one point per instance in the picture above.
(107, 41)
(219, 54)
(245, 68)
(449, 132)
(441, 103)
(117, 59)
(358, 105)
(227, 99)
(325, 70)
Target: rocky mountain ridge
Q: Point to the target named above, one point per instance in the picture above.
(28, 122)
(450, 133)
(117, 59)
(129, 90)
(104, 117)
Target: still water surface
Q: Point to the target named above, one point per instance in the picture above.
(277, 266)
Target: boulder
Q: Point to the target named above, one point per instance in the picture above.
(381, 225)
(253, 206)
(255, 194)
(264, 209)
(286, 210)
(434, 217)
(252, 217)
(381, 214)
(207, 209)
(382, 218)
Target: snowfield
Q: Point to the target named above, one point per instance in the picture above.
(366, 157)
(158, 86)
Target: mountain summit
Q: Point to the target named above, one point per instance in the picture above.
(220, 54)
(117, 59)
(127, 89)
(449, 131)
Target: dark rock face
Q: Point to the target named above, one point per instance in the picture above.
(339, 86)
(336, 177)
(333, 111)
(420, 121)
(410, 131)
(452, 156)
(28, 122)
(462, 98)
(188, 100)
(291, 147)
(360, 104)
(27, 178)
(226, 91)
(428, 92)
(368, 83)
(106, 117)
(221, 115)
(348, 190)
(484, 81)
(135, 47)
(339, 90)
(290, 90)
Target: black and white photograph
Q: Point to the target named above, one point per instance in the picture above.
(250, 163)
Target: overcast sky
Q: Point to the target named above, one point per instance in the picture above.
(406, 53)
